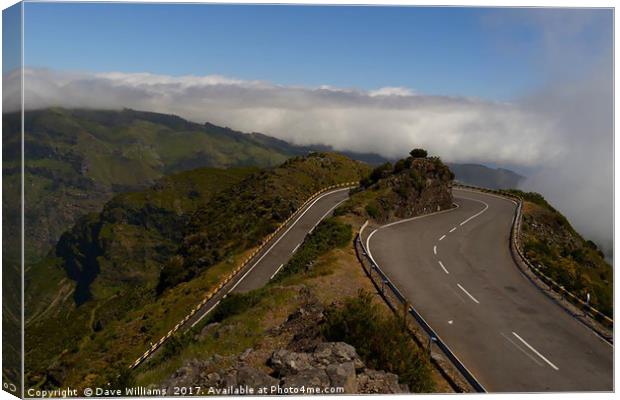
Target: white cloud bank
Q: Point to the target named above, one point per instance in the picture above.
(388, 121)
(564, 133)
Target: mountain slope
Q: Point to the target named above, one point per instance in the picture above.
(483, 176)
(108, 266)
(550, 242)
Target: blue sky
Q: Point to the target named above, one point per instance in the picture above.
(488, 53)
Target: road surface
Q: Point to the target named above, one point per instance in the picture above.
(268, 262)
(456, 269)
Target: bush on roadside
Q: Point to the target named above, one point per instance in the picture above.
(236, 303)
(380, 341)
(372, 210)
(327, 235)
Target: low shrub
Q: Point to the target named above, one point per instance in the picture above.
(372, 210)
(380, 341)
(328, 235)
(418, 153)
(236, 303)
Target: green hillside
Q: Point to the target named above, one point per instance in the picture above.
(106, 274)
(564, 255)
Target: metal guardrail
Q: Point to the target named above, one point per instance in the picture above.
(386, 283)
(228, 278)
(516, 244)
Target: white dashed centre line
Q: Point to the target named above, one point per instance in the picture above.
(442, 267)
(467, 293)
(535, 351)
(442, 238)
(295, 249)
(475, 215)
(453, 229)
(531, 357)
(435, 250)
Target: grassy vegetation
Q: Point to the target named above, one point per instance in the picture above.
(79, 354)
(236, 303)
(329, 234)
(551, 242)
(243, 322)
(380, 340)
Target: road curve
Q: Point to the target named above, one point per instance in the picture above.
(277, 252)
(457, 270)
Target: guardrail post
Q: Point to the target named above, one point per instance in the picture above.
(405, 312)
(383, 282)
(431, 339)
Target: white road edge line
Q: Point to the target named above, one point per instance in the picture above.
(442, 238)
(484, 194)
(467, 293)
(435, 250)
(453, 229)
(283, 235)
(486, 206)
(277, 270)
(205, 314)
(442, 267)
(536, 351)
(295, 249)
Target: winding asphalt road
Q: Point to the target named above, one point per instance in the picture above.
(456, 269)
(268, 262)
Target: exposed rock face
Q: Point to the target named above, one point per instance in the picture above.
(304, 325)
(413, 186)
(334, 365)
(422, 188)
(331, 365)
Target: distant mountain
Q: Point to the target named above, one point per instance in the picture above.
(481, 175)
(76, 160)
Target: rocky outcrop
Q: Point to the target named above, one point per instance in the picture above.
(332, 366)
(423, 186)
(413, 186)
(304, 324)
(302, 361)
(335, 365)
